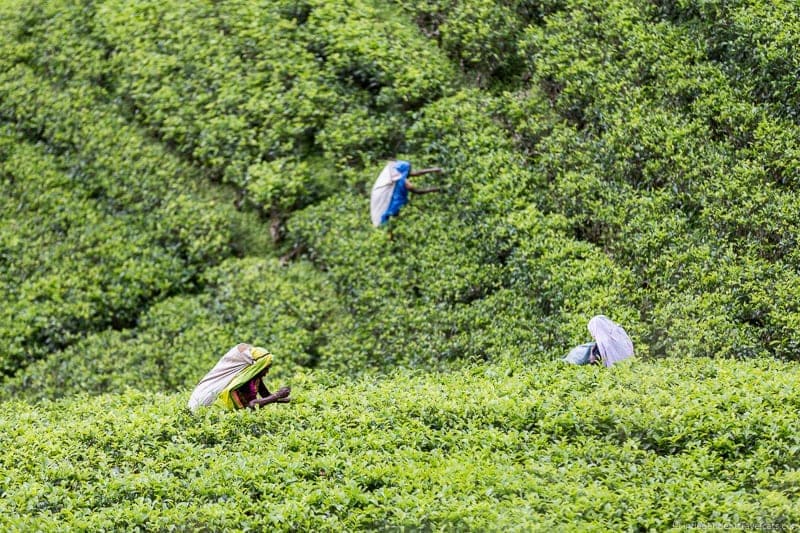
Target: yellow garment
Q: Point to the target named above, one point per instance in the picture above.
(258, 352)
(262, 359)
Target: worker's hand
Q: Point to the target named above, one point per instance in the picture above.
(280, 396)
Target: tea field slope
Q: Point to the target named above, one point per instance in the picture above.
(180, 176)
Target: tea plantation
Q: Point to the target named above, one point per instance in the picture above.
(180, 176)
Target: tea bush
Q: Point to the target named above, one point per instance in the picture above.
(300, 80)
(178, 339)
(659, 157)
(73, 263)
(651, 445)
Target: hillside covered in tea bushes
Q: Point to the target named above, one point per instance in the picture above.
(180, 176)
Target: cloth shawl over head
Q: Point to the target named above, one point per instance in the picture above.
(230, 367)
(383, 188)
(612, 341)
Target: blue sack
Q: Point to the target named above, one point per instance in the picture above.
(579, 355)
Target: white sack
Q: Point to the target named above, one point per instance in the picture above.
(612, 341)
(382, 192)
(218, 377)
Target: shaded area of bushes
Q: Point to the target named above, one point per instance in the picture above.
(179, 338)
(621, 158)
(94, 233)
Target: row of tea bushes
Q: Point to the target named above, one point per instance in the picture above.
(178, 339)
(72, 264)
(645, 126)
(646, 446)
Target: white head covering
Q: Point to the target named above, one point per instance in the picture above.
(227, 368)
(382, 191)
(612, 341)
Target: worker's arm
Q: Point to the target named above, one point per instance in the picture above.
(420, 190)
(424, 171)
(262, 388)
(282, 396)
(594, 355)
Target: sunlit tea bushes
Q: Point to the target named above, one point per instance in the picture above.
(543, 446)
(661, 158)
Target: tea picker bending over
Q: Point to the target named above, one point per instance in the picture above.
(611, 344)
(237, 381)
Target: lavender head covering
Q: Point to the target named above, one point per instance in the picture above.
(612, 341)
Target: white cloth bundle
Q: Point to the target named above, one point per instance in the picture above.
(612, 341)
(382, 192)
(228, 367)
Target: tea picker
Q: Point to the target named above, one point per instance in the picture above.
(390, 191)
(611, 344)
(237, 381)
